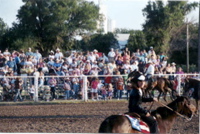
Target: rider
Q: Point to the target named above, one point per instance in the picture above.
(135, 101)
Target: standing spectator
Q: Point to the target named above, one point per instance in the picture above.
(120, 87)
(151, 52)
(110, 91)
(7, 54)
(104, 92)
(94, 86)
(12, 64)
(32, 92)
(126, 50)
(29, 53)
(67, 88)
(37, 55)
(150, 70)
(119, 61)
(17, 61)
(96, 54)
(58, 54)
(111, 55)
(51, 55)
(91, 57)
(87, 67)
(52, 83)
(2, 60)
(126, 57)
(134, 66)
(18, 89)
(75, 85)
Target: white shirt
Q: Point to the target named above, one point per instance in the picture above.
(111, 54)
(58, 55)
(150, 70)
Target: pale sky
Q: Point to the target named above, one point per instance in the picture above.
(126, 13)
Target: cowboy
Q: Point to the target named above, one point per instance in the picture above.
(135, 100)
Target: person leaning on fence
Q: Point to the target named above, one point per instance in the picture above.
(67, 88)
(18, 89)
(94, 86)
(52, 83)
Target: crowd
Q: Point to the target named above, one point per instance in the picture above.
(91, 63)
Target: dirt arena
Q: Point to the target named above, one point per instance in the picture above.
(71, 117)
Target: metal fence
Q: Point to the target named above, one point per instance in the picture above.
(42, 92)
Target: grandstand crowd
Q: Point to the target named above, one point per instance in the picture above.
(90, 63)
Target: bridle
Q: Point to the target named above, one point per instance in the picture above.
(188, 119)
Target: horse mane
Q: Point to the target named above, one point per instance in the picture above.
(165, 112)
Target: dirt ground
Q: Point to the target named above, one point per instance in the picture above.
(72, 118)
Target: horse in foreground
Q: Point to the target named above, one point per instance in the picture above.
(164, 116)
(193, 84)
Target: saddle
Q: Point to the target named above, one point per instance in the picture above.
(136, 123)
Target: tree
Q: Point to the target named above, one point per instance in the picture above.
(101, 42)
(136, 41)
(3, 30)
(55, 23)
(163, 22)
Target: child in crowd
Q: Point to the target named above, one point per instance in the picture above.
(104, 92)
(31, 92)
(110, 91)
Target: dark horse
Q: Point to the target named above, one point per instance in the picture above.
(161, 84)
(191, 83)
(164, 116)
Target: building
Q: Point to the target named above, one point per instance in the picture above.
(122, 40)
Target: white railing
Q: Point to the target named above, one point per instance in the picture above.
(85, 77)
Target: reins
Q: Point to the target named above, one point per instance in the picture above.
(174, 111)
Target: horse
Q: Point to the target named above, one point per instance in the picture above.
(161, 84)
(192, 84)
(165, 117)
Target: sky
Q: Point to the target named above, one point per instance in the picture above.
(126, 13)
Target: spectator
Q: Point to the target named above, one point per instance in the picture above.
(111, 55)
(2, 60)
(119, 87)
(51, 55)
(37, 55)
(150, 70)
(18, 89)
(134, 66)
(67, 87)
(52, 83)
(29, 53)
(104, 92)
(110, 91)
(75, 85)
(58, 54)
(12, 64)
(94, 89)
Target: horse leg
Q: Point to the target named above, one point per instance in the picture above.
(159, 95)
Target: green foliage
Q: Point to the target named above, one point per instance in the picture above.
(136, 41)
(162, 21)
(101, 42)
(55, 23)
(3, 29)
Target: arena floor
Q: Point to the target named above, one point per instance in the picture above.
(76, 117)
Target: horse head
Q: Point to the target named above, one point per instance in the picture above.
(184, 107)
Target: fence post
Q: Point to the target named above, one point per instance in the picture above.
(85, 88)
(179, 84)
(36, 75)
